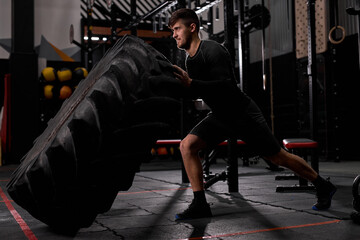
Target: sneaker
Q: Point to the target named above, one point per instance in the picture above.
(324, 194)
(195, 210)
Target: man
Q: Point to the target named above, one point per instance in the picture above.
(209, 75)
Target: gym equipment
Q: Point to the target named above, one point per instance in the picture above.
(64, 74)
(162, 151)
(48, 74)
(88, 47)
(356, 11)
(259, 18)
(336, 27)
(299, 146)
(79, 73)
(65, 92)
(230, 174)
(73, 41)
(86, 155)
(48, 91)
(355, 215)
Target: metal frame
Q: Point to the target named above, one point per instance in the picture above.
(312, 69)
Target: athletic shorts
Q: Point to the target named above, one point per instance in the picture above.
(251, 127)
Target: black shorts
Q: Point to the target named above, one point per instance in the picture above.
(251, 127)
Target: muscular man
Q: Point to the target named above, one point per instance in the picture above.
(209, 75)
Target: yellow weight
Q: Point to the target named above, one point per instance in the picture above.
(48, 91)
(64, 74)
(153, 152)
(49, 74)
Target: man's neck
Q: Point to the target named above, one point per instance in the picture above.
(195, 43)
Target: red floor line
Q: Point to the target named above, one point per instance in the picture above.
(24, 227)
(263, 230)
(160, 190)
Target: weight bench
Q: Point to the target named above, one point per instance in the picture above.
(230, 174)
(300, 147)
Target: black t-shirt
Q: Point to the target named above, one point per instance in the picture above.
(214, 81)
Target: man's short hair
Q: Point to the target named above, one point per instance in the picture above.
(188, 17)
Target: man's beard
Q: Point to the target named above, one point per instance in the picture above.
(186, 44)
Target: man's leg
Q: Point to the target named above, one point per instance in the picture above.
(294, 163)
(189, 148)
(325, 189)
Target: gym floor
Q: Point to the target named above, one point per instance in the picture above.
(258, 212)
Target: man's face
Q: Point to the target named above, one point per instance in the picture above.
(182, 35)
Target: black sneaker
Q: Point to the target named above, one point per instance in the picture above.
(195, 210)
(324, 194)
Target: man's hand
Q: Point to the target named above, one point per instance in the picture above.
(182, 76)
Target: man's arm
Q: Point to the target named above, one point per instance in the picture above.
(184, 78)
(200, 87)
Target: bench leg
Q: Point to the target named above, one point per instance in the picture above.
(231, 174)
(315, 160)
(232, 168)
(209, 158)
(215, 178)
(184, 176)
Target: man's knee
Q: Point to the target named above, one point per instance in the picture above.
(191, 145)
(185, 146)
(279, 158)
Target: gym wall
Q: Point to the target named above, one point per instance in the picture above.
(52, 20)
(5, 25)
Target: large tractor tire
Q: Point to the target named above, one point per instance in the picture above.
(95, 144)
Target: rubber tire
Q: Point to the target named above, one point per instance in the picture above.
(95, 144)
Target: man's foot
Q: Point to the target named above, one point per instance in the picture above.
(195, 210)
(324, 193)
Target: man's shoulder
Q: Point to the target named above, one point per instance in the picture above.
(211, 43)
(213, 48)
